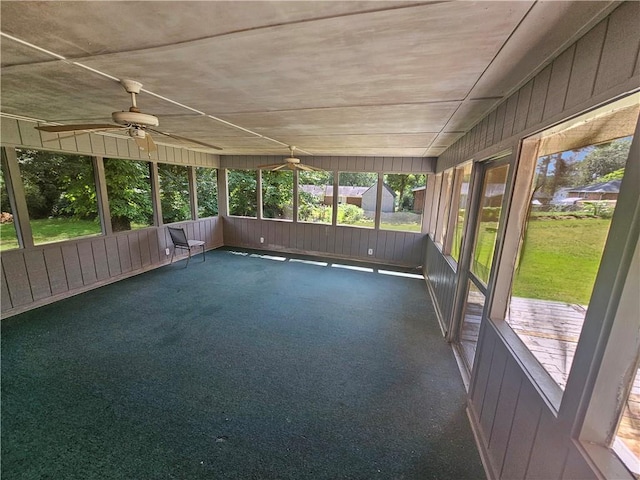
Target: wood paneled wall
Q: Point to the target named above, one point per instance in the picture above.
(21, 134)
(601, 65)
(390, 247)
(441, 280)
(519, 433)
(342, 164)
(45, 273)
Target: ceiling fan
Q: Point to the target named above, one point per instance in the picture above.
(290, 163)
(135, 123)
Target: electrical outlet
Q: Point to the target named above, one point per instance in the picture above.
(166, 251)
(261, 239)
(370, 251)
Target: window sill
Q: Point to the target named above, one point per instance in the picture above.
(604, 460)
(541, 380)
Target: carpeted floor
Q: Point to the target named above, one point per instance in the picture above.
(241, 367)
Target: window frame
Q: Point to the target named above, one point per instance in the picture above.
(608, 338)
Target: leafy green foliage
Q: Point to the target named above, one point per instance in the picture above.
(129, 193)
(58, 184)
(349, 214)
(207, 191)
(403, 184)
(355, 179)
(242, 193)
(277, 194)
(174, 193)
(603, 160)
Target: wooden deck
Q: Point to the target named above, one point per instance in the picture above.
(551, 331)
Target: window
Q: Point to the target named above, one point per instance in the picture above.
(277, 195)
(493, 188)
(459, 206)
(576, 176)
(402, 202)
(207, 191)
(243, 196)
(434, 183)
(471, 318)
(315, 197)
(129, 193)
(174, 193)
(60, 191)
(627, 439)
(8, 235)
(443, 207)
(358, 194)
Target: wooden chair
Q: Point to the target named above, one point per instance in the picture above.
(179, 239)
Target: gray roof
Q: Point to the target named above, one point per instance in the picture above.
(612, 186)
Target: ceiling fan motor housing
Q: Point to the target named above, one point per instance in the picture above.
(135, 118)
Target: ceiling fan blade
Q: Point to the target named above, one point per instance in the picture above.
(76, 127)
(78, 134)
(269, 167)
(185, 139)
(307, 168)
(147, 144)
(282, 166)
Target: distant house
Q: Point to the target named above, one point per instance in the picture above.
(599, 191)
(364, 197)
(418, 198)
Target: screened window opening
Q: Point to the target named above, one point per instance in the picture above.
(315, 197)
(243, 194)
(60, 192)
(579, 168)
(402, 202)
(460, 198)
(277, 195)
(8, 235)
(175, 199)
(207, 191)
(443, 207)
(493, 189)
(129, 192)
(357, 199)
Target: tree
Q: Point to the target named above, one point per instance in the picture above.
(242, 193)
(57, 184)
(129, 193)
(604, 159)
(174, 193)
(207, 191)
(277, 194)
(403, 184)
(355, 179)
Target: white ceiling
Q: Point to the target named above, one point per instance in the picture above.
(383, 78)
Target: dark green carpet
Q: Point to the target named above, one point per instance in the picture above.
(237, 368)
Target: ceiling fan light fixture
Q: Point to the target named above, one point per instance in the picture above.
(135, 118)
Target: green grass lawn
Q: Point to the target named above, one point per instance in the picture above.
(49, 230)
(560, 259)
(559, 262)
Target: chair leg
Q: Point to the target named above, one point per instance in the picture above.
(188, 258)
(204, 257)
(174, 252)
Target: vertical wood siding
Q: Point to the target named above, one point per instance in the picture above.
(441, 278)
(32, 277)
(391, 247)
(602, 64)
(20, 133)
(519, 433)
(342, 164)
